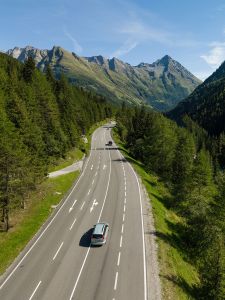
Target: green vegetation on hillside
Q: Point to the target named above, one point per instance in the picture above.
(41, 119)
(181, 161)
(161, 84)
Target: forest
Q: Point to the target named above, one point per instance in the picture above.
(185, 160)
(41, 119)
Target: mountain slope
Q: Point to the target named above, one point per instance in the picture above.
(162, 84)
(206, 105)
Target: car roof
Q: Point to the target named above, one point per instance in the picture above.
(99, 227)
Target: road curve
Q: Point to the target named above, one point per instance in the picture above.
(61, 264)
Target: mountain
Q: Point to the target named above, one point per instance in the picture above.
(161, 84)
(206, 105)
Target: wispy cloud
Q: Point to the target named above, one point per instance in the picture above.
(216, 54)
(77, 47)
(134, 33)
(137, 30)
(124, 49)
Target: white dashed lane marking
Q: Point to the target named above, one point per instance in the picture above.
(116, 279)
(118, 260)
(73, 224)
(71, 208)
(121, 241)
(82, 205)
(35, 290)
(58, 251)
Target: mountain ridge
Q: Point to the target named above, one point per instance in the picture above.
(161, 84)
(206, 104)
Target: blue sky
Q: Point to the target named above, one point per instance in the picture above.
(192, 32)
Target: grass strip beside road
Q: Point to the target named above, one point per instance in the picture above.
(178, 277)
(25, 223)
(72, 156)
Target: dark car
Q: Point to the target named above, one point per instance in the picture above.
(110, 143)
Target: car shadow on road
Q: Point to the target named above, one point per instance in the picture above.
(85, 240)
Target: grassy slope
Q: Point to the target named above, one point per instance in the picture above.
(177, 275)
(25, 223)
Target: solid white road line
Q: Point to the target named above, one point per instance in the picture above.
(35, 290)
(118, 260)
(121, 241)
(73, 224)
(82, 205)
(75, 285)
(142, 227)
(71, 208)
(46, 228)
(115, 283)
(58, 251)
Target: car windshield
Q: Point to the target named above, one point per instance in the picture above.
(97, 236)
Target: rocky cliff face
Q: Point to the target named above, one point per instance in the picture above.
(161, 84)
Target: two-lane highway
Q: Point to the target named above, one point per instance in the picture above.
(60, 263)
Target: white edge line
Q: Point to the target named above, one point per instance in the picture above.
(74, 288)
(58, 251)
(116, 279)
(142, 226)
(49, 224)
(35, 290)
(143, 238)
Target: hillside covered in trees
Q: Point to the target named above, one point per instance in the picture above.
(206, 105)
(40, 120)
(180, 159)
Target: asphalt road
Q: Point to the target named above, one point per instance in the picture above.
(59, 264)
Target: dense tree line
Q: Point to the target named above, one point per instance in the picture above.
(179, 156)
(41, 118)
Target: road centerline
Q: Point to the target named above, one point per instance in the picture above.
(83, 264)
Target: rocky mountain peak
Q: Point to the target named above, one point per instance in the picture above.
(162, 84)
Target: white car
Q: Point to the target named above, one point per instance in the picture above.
(99, 234)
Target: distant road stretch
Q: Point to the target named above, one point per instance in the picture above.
(60, 264)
